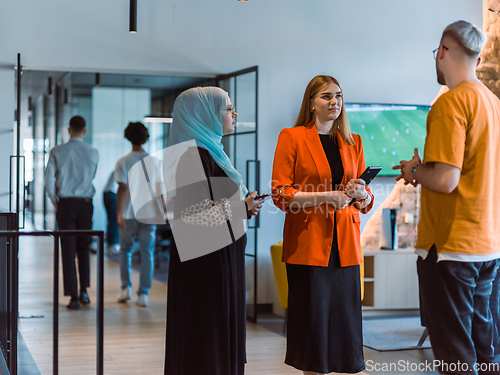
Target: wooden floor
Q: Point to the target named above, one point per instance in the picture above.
(134, 337)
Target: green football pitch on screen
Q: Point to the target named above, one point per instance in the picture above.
(389, 132)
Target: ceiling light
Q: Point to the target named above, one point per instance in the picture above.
(49, 84)
(133, 16)
(158, 119)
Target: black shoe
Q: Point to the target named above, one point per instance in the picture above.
(84, 298)
(74, 304)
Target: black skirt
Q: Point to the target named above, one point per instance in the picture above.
(206, 317)
(324, 327)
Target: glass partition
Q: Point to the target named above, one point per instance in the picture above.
(136, 96)
(241, 147)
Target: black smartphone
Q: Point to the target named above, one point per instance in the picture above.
(369, 174)
(262, 196)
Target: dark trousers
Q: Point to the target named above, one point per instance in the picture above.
(75, 213)
(455, 304)
(109, 199)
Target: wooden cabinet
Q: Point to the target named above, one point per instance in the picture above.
(390, 279)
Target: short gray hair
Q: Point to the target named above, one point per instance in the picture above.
(470, 38)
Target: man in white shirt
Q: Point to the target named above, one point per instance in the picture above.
(68, 182)
(132, 227)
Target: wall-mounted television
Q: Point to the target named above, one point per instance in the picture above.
(390, 132)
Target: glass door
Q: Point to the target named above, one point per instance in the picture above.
(241, 147)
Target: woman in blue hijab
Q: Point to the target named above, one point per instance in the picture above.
(206, 287)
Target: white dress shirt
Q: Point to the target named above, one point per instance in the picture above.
(70, 170)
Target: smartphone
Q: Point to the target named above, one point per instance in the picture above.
(262, 196)
(369, 174)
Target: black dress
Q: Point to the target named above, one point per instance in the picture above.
(324, 327)
(206, 306)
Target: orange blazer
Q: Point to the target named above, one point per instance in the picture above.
(300, 164)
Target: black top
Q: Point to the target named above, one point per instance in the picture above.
(332, 152)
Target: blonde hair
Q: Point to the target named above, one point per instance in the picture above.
(469, 37)
(305, 117)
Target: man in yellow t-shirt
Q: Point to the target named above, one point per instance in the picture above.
(459, 229)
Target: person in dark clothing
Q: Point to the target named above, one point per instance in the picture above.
(313, 163)
(68, 182)
(207, 261)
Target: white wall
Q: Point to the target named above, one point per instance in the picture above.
(7, 146)
(379, 50)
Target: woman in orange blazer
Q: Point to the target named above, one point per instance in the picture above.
(315, 179)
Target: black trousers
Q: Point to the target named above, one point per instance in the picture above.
(112, 229)
(455, 304)
(75, 213)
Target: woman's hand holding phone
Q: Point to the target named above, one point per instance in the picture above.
(356, 189)
(254, 203)
(337, 199)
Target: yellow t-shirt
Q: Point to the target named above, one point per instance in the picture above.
(463, 130)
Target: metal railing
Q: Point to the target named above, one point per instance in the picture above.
(8, 295)
(13, 294)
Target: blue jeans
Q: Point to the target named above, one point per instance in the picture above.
(144, 234)
(495, 311)
(455, 306)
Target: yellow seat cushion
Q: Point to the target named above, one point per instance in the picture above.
(280, 273)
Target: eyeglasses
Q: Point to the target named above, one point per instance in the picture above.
(231, 108)
(434, 53)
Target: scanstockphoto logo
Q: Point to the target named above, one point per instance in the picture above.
(404, 366)
(205, 215)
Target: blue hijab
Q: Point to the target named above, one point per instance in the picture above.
(198, 115)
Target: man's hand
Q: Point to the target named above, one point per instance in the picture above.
(120, 220)
(406, 167)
